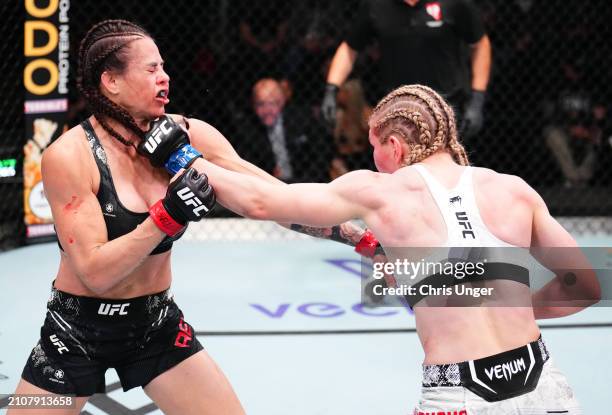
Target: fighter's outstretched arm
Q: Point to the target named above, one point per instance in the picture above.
(219, 151)
(351, 196)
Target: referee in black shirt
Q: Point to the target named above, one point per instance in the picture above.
(422, 42)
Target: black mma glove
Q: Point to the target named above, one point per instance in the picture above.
(188, 199)
(167, 144)
(329, 105)
(473, 115)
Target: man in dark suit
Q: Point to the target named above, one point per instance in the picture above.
(284, 140)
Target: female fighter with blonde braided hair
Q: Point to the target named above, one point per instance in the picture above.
(426, 195)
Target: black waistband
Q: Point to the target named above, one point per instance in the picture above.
(497, 377)
(146, 307)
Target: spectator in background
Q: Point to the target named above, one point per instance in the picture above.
(422, 42)
(314, 26)
(351, 130)
(263, 26)
(285, 141)
(575, 121)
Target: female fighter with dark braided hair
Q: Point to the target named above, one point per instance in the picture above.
(116, 215)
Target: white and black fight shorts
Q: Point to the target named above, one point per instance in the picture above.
(520, 381)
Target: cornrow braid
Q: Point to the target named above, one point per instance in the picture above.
(422, 146)
(457, 150)
(108, 109)
(108, 28)
(103, 48)
(441, 132)
(390, 125)
(426, 111)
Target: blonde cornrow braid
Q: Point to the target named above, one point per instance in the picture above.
(392, 95)
(425, 146)
(424, 141)
(449, 115)
(414, 117)
(443, 114)
(457, 150)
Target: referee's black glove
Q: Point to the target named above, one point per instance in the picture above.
(473, 115)
(328, 107)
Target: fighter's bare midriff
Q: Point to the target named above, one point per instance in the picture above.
(150, 277)
(455, 334)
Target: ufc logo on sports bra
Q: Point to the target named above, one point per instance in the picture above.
(190, 199)
(111, 309)
(155, 138)
(464, 222)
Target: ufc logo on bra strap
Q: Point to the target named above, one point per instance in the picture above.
(464, 221)
(189, 198)
(155, 138)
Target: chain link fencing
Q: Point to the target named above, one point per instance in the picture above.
(546, 115)
(12, 128)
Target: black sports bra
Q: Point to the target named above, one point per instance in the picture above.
(118, 219)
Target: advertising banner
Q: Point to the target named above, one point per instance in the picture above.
(45, 80)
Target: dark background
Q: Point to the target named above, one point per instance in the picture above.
(212, 72)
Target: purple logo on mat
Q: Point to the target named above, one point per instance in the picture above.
(319, 309)
(325, 310)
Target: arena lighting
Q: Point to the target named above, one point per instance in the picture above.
(7, 167)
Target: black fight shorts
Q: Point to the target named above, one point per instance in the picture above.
(82, 337)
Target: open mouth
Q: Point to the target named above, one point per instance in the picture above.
(162, 97)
